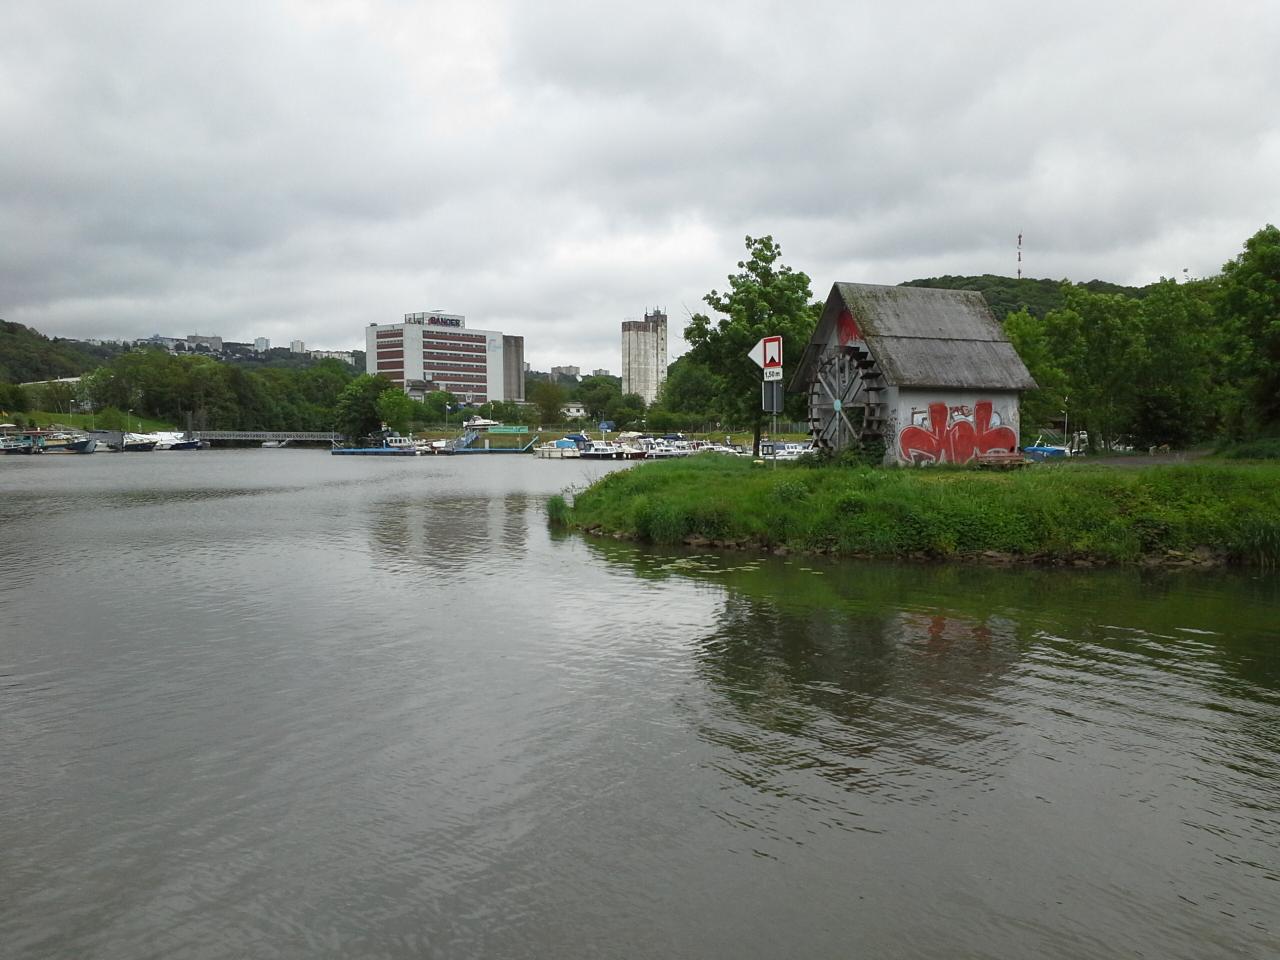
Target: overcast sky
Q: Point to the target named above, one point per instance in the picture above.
(550, 169)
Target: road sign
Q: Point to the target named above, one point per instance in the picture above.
(772, 373)
(771, 397)
(767, 353)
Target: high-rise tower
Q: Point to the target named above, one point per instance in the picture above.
(644, 355)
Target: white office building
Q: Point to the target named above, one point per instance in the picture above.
(433, 350)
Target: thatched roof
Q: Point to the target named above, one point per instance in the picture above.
(919, 337)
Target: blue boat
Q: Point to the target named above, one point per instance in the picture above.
(1041, 451)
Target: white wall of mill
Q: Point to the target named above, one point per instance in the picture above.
(962, 433)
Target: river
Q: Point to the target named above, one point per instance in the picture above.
(273, 703)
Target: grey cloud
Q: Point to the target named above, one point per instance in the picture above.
(298, 170)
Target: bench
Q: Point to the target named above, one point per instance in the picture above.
(1000, 461)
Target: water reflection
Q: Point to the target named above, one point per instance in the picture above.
(1121, 699)
(433, 535)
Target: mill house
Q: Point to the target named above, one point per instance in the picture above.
(927, 373)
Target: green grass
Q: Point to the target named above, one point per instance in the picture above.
(1267, 448)
(86, 421)
(1095, 514)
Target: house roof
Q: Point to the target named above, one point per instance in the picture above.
(920, 337)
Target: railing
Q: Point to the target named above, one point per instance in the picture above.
(265, 435)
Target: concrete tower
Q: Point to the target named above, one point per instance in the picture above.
(644, 355)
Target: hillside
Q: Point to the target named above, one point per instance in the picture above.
(1006, 294)
(26, 355)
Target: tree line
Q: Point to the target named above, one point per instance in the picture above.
(192, 389)
(1171, 362)
(1176, 363)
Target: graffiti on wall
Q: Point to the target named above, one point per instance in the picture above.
(847, 329)
(956, 434)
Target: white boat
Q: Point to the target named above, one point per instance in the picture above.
(406, 445)
(792, 451)
(602, 450)
(662, 450)
(564, 449)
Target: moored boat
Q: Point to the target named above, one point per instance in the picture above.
(135, 443)
(21, 444)
(391, 445)
(74, 443)
(566, 448)
(602, 450)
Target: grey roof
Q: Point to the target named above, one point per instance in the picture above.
(922, 337)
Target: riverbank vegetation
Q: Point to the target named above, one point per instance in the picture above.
(1071, 513)
(1174, 363)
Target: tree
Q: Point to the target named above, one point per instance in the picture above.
(764, 299)
(548, 397)
(1098, 341)
(1029, 336)
(396, 409)
(356, 414)
(1249, 310)
(13, 398)
(437, 404)
(626, 411)
(690, 387)
(598, 395)
(1174, 377)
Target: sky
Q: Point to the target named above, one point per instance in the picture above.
(550, 168)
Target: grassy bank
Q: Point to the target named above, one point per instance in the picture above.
(1267, 448)
(1075, 513)
(87, 421)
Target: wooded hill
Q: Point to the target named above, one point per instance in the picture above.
(1006, 295)
(27, 355)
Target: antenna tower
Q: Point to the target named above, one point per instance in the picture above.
(1019, 256)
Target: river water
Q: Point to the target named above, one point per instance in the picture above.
(273, 703)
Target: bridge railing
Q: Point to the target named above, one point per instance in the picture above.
(319, 436)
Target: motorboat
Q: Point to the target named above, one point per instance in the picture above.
(134, 443)
(72, 443)
(566, 448)
(21, 443)
(792, 451)
(176, 441)
(392, 445)
(602, 450)
(1042, 450)
(662, 450)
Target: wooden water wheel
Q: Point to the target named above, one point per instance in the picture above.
(845, 399)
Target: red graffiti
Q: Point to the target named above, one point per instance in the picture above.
(847, 329)
(958, 442)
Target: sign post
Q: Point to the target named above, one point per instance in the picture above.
(767, 355)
